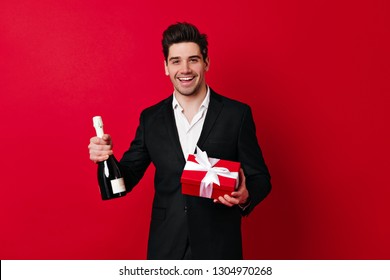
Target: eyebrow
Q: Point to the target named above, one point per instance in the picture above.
(174, 58)
(178, 57)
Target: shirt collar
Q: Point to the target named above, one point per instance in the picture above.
(205, 103)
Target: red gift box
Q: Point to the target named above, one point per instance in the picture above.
(209, 177)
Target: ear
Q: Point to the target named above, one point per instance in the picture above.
(166, 68)
(207, 64)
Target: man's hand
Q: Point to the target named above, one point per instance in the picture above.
(100, 148)
(240, 196)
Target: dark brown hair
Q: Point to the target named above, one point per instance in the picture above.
(184, 32)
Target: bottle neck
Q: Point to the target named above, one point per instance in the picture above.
(99, 132)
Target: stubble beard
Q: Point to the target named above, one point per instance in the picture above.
(189, 91)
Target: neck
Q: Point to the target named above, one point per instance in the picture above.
(191, 102)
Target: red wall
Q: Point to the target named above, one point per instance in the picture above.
(316, 74)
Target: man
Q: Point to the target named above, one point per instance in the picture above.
(189, 227)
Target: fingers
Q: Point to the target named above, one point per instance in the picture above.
(242, 177)
(242, 193)
(105, 140)
(227, 200)
(237, 197)
(100, 148)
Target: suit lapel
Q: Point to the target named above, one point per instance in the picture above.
(172, 129)
(213, 111)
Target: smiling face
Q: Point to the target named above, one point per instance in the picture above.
(186, 68)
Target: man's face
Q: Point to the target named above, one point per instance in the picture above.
(186, 68)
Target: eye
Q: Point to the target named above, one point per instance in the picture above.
(194, 60)
(175, 62)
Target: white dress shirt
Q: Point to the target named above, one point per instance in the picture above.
(189, 133)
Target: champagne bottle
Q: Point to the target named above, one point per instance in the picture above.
(110, 178)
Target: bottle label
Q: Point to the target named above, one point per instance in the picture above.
(118, 185)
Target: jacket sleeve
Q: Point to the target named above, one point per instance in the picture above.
(256, 172)
(136, 159)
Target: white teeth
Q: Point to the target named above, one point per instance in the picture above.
(186, 79)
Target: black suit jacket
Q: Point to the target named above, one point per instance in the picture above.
(212, 230)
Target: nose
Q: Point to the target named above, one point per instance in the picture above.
(185, 67)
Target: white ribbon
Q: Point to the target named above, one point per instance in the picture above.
(207, 164)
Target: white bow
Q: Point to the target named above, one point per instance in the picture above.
(204, 163)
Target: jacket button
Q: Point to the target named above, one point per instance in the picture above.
(185, 209)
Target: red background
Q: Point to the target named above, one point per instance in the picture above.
(316, 74)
